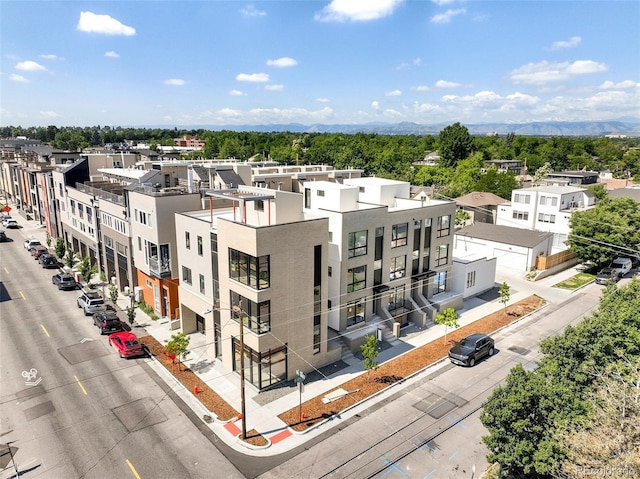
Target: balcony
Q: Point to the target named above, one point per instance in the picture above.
(161, 269)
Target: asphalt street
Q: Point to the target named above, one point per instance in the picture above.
(71, 406)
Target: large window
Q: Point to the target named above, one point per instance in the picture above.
(521, 198)
(357, 243)
(444, 226)
(355, 313)
(440, 282)
(549, 200)
(249, 270)
(546, 218)
(396, 298)
(398, 268)
(255, 316)
(442, 255)
(399, 235)
(520, 215)
(261, 368)
(471, 279)
(356, 278)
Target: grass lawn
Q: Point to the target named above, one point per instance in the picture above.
(576, 281)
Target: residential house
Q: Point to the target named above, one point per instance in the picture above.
(545, 208)
(481, 206)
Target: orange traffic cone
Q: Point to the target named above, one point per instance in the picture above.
(239, 416)
(196, 390)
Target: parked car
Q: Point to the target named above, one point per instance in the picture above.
(126, 344)
(471, 349)
(3, 236)
(64, 281)
(30, 243)
(91, 302)
(36, 251)
(607, 274)
(108, 322)
(12, 224)
(48, 261)
(5, 219)
(621, 266)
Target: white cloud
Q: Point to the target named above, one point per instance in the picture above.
(230, 113)
(421, 88)
(252, 11)
(571, 43)
(50, 57)
(92, 23)
(282, 62)
(49, 114)
(356, 10)
(274, 87)
(446, 84)
(322, 100)
(174, 82)
(29, 66)
(545, 72)
(253, 77)
(447, 16)
(417, 61)
(237, 93)
(375, 105)
(620, 85)
(443, 2)
(112, 54)
(18, 78)
(393, 93)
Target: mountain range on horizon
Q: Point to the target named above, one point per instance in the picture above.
(623, 126)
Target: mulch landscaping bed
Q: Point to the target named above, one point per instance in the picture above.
(365, 385)
(314, 410)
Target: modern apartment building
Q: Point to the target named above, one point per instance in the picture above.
(267, 269)
(151, 211)
(390, 256)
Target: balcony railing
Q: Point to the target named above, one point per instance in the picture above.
(161, 269)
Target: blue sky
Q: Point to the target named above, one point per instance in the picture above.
(180, 63)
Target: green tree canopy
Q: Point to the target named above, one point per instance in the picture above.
(455, 144)
(610, 229)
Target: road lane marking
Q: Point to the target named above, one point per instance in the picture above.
(81, 386)
(23, 297)
(6, 270)
(133, 469)
(45, 330)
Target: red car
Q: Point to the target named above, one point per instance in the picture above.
(39, 250)
(126, 344)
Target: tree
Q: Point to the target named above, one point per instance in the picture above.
(113, 294)
(70, 259)
(60, 247)
(370, 352)
(462, 217)
(448, 317)
(48, 240)
(86, 269)
(456, 143)
(610, 229)
(131, 314)
(178, 345)
(505, 294)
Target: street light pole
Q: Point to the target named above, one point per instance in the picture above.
(242, 397)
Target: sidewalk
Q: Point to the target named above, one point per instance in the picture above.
(263, 408)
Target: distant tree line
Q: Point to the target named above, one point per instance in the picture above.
(461, 169)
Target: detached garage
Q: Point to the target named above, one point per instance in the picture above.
(515, 248)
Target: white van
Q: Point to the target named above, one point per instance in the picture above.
(621, 266)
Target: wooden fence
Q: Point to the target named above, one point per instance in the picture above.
(546, 262)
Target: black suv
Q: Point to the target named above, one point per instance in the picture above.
(471, 349)
(64, 281)
(108, 322)
(48, 261)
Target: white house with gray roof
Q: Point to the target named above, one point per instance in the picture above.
(545, 208)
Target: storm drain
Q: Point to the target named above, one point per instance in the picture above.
(139, 414)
